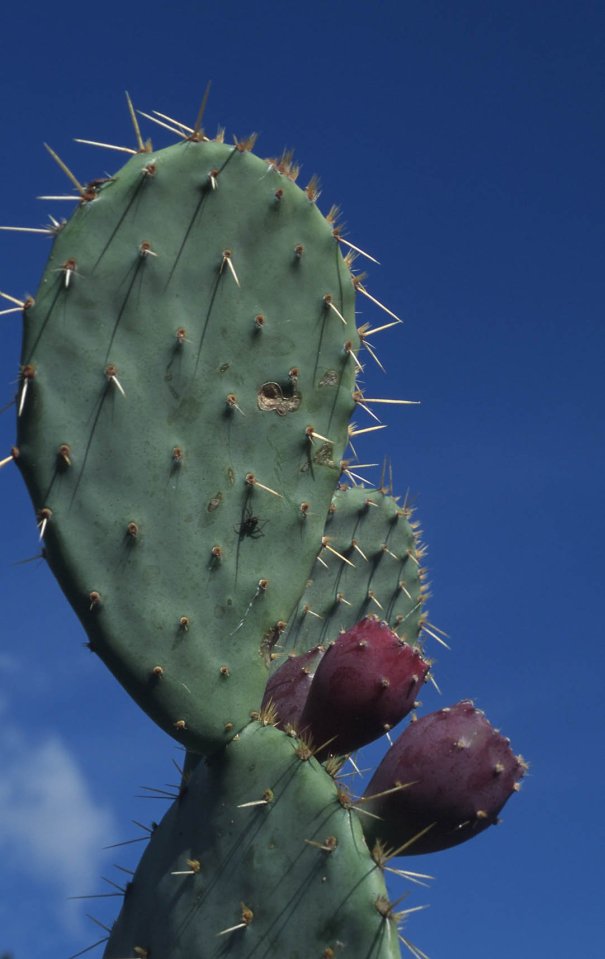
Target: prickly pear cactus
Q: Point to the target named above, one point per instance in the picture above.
(186, 385)
(187, 377)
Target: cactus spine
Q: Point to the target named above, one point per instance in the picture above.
(188, 374)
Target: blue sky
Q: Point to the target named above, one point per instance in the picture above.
(465, 143)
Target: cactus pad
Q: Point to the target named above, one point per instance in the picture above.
(258, 858)
(186, 384)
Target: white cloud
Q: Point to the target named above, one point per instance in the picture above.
(50, 824)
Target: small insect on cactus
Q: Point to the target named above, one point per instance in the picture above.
(189, 369)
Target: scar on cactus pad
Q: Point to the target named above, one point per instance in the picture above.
(189, 369)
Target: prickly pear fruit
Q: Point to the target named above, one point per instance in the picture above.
(288, 688)
(366, 682)
(456, 773)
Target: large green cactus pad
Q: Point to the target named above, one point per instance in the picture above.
(187, 381)
(258, 858)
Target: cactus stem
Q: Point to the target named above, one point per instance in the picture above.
(361, 289)
(326, 545)
(135, 124)
(106, 146)
(329, 303)
(337, 236)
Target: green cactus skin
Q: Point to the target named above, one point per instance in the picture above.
(187, 380)
(374, 533)
(268, 851)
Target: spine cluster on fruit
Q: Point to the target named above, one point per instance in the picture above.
(190, 366)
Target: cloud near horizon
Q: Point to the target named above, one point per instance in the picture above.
(51, 827)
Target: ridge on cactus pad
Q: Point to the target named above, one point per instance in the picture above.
(187, 381)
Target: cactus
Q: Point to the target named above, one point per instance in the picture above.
(187, 378)
(227, 872)
(185, 394)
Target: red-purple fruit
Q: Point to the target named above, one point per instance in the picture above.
(289, 685)
(365, 684)
(457, 772)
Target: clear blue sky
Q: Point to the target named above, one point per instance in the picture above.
(465, 142)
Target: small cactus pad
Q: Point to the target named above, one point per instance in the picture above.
(288, 687)
(258, 858)
(460, 772)
(371, 562)
(186, 384)
(365, 684)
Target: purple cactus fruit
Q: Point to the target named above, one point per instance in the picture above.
(365, 684)
(461, 771)
(289, 685)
